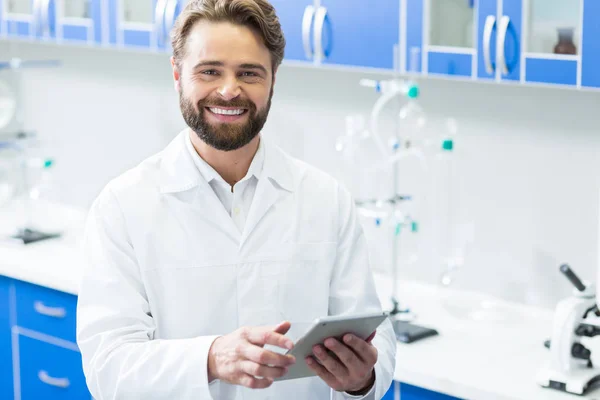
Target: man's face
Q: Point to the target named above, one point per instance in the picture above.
(225, 84)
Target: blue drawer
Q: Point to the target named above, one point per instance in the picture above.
(50, 372)
(46, 311)
(410, 392)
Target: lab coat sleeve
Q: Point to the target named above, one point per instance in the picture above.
(115, 327)
(352, 290)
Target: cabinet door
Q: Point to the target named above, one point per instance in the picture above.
(135, 23)
(46, 311)
(2, 22)
(409, 392)
(487, 23)
(297, 20)
(448, 36)
(358, 33)
(172, 10)
(510, 34)
(590, 61)
(553, 30)
(19, 17)
(48, 371)
(499, 39)
(80, 20)
(6, 377)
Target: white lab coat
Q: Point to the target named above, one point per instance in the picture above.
(167, 271)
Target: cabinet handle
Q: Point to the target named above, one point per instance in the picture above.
(36, 9)
(159, 20)
(54, 312)
(56, 382)
(169, 17)
(307, 20)
(490, 22)
(500, 50)
(320, 18)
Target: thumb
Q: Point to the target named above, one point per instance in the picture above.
(283, 327)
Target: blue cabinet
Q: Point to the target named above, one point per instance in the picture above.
(499, 39)
(48, 371)
(297, 21)
(358, 33)
(30, 18)
(39, 357)
(6, 377)
(342, 32)
(136, 24)
(409, 392)
(45, 310)
(529, 41)
(81, 21)
(590, 62)
(440, 37)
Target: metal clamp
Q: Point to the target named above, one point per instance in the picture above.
(54, 312)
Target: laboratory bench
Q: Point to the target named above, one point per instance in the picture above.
(493, 356)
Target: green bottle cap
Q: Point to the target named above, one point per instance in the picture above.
(398, 226)
(448, 145)
(413, 92)
(415, 226)
(48, 163)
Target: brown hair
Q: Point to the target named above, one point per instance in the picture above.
(256, 14)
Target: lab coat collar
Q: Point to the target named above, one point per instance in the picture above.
(179, 172)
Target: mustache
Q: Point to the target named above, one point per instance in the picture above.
(235, 103)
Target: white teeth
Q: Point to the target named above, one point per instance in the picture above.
(226, 112)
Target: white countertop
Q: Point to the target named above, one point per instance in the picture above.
(495, 357)
(53, 263)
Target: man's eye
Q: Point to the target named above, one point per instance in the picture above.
(210, 72)
(248, 73)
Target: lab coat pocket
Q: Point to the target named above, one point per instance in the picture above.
(304, 282)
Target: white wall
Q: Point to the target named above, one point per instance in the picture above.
(527, 158)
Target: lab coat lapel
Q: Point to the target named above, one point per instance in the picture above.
(276, 181)
(266, 195)
(180, 177)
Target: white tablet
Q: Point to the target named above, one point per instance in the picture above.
(361, 325)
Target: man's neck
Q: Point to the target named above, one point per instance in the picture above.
(233, 165)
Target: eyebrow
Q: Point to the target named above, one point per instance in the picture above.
(254, 66)
(221, 64)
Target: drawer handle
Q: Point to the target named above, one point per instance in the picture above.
(54, 312)
(56, 382)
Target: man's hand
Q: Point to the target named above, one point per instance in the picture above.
(240, 359)
(350, 365)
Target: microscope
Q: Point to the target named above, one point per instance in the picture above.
(570, 368)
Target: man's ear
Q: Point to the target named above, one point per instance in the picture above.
(176, 74)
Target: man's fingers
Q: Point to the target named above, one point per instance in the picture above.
(283, 327)
(371, 337)
(266, 357)
(344, 354)
(262, 336)
(365, 351)
(323, 373)
(337, 368)
(263, 371)
(252, 382)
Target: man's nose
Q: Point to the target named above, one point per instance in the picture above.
(230, 89)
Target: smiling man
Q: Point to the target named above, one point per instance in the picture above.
(204, 255)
